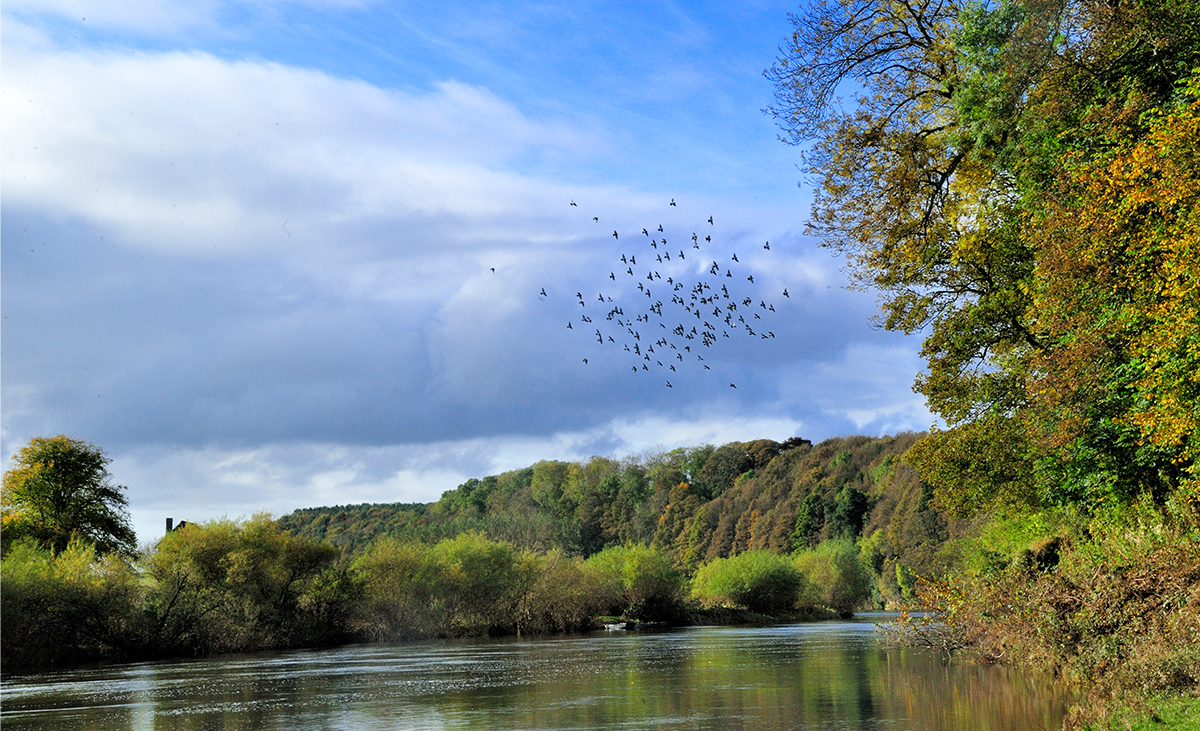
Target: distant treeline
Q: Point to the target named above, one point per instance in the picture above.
(744, 531)
(693, 504)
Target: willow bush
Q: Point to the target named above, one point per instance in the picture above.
(760, 581)
(836, 576)
(66, 607)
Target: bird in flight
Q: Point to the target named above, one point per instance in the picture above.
(544, 292)
(710, 220)
(615, 235)
(573, 203)
(596, 219)
(672, 201)
(785, 294)
(732, 386)
(767, 245)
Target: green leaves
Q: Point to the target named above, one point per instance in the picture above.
(1009, 179)
(59, 488)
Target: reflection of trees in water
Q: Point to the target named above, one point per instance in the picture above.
(811, 676)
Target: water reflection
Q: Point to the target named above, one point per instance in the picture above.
(810, 676)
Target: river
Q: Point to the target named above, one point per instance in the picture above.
(833, 676)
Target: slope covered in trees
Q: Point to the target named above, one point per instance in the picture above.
(695, 505)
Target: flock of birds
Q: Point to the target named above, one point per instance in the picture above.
(688, 301)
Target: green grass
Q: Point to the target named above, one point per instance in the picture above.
(1171, 713)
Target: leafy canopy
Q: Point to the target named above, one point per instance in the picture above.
(1017, 179)
(59, 488)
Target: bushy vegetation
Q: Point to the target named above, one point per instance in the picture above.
(759, 581)
(67, 607)
(837, 578)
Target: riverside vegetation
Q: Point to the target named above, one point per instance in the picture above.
(706, 534)
(745, 532)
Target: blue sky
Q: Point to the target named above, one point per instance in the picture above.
(248, 249)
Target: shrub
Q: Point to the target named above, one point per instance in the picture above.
(476, 584)
(397, 579)
(65, 607)
(558, 595)
(239, 585)
(837, 578)
(637, 582)
(756, 580)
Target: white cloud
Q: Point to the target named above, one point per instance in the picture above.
(193, 154)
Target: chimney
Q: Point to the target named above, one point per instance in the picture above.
(170, 522)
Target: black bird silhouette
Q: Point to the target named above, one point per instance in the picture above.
(615, 235)
(645, 232)
(573, 203)
(681, 256)
(633, 260)
(569, 326)
(544, 292)
(660, 228)
(493, 270)
(735, 257)
(672, 201)
(630, 270)
(612, 276)
(767, 245)
(596, 219)
(708, 239)
(785, 294)
(585, 361)
(710, 220)
(750, 279)
(732, 386)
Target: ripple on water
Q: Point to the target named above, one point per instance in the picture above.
(829, 675)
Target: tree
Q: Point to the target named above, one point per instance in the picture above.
(990, 179)
(59, 488)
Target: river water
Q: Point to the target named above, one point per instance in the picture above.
(833, 676)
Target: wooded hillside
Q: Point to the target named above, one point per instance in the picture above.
(694, 504)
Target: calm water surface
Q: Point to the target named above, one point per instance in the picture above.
(828, 675)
